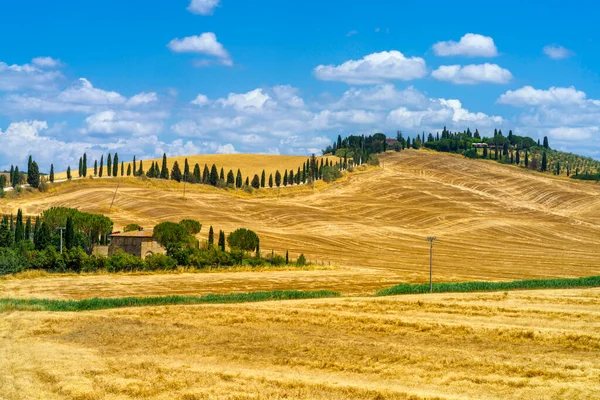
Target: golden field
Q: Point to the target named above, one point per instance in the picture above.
(529, 345)
(493, 222)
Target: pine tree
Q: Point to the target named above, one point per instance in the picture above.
(205, 175)
(108, 165)
(95, 167)
(28, 229)
(238, 179)
(176, 172)
(69, 172)
(339, 142)
(544, 162)
(263, 179)
(222, 240)
(115, 171)
(85, 168)
(69, 234)
(214, 175)
(277, 178)
(101, 169)
(211, 237)
(19, 228)
(256, 182)
(128, 169)
(270, 180)
(230, 178)
(186, 171)
(164, 172)
(197, 176)
(34, 175)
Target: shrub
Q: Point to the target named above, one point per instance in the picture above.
(11, 262)
(471, 153)
(256, 262)
(277, 260)
(122, 261)
(94, 264)
(132, 228)
(373, 160)
(331, 174)
(43, 186)
(192, 226)
(243, 239)
(75, 259)
(160, 262)
(301, 261)
(212, 256)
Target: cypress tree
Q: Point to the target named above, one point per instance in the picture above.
(230, 178)
(238, 179)
(291, 177)
(211, 237)
(108, 165)
(277, 178)
(247, 181)
(197, 176)
(19, 228)
(128, 169)
(285, 178)
(205, 175)
(518, 157)
(544, 162)
(133, 168)
(298, 176)
(141, 170)
(526, 159)
(95, 167)
(222, 240)
(29, 161)
(115, 171)
(101, 169)
(85, 168)
(270, 180)
(16, 181)
(69, 172)
(12, 174)
(164, 172)
(69, 234)
(176, 172)
(28, 229)
(546, 146)
(222, 175)
(256, 182)
(36, 226)
(44, 237)
(287, 257)
(214, 175)
(80, 173)
(186, 171)
(34, 175)
(151, 173)
(262, 179)
(122, 168)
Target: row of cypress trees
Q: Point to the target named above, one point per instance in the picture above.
(17, 177)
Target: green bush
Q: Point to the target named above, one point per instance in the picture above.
(256, 262)
(11, 262)
(331, 174)
(471, 153)
(212, 256)
(75, 259)
(94, 264)
(301, 261)
(373, 160)
(123, 262)
(277, 260)
(160, 262)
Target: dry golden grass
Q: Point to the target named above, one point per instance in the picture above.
(494, 222)
(530, 345)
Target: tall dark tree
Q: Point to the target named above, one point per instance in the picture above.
(285, 178)
(256, 182)
(197, 176)
(84, 168)
(28, 229)
(518, 157)
(43, 238)
(222, 175)
(263, 179)
(186, 171)
(128, 169)
(141, 169)
(176, 172)
(298, 176)
(270, 180)
(205, 175)
(230, 178)
(69, 172)
(115, 171)
(247, 181)
(164, 172)
(238, 179)
(544, 162)
(95, 167)
(16, 179)
(69, 234)
(34, 175)
(133, 167)
(80, 172)
(29, 161)
(101, 168)
(214, 175)
(277, 178)
(109, 165)
(546, 146)
(211, 237)
(12, 174)
(287, 257)
(339, 142)
(221, 240)
(122, 168)
(526, 159)
(19, 227)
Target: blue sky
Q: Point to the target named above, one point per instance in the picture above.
(206, 76)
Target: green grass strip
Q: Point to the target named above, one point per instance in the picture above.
(463, 287)
(102, 303)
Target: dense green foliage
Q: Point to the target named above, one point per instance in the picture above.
(459, 287)
(243, 239)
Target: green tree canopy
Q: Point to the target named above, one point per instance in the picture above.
(192, 226)
(243, 239)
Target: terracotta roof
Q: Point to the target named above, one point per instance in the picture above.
(142, 234)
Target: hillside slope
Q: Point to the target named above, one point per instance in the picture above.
(492, 222)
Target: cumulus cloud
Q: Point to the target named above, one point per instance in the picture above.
(577, 134)
(557, 52)
(472, 74)
(528, 96)
(27, 77)
(83, 92)
(200, 100)
(206, 44)
(374, 68)
(253, 100)
(46, 62)
(470, 45)
(142, 98)
(112, 122)
(203, 7)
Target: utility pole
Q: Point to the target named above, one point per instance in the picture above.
(431, 239)
(61, 229)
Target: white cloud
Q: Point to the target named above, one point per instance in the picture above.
(288, 95)
(83, 92)
(203, 7)
(142, 98)
(46, 62)
(576, 134)
(206, 44)
(472, 74)
(374, 68)
(352, 33)
(226, 149)
(253, 100)
(381, 97)
(27, 77)
(557, 52)
(200, 100)
(470, 45)
(528, 96)
(112, 122)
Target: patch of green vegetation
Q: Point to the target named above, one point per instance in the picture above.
(101, 304)
(463, 287)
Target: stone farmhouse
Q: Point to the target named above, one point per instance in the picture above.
(138, 243)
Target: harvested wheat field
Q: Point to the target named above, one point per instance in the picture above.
(493, 222)
(527, 344)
